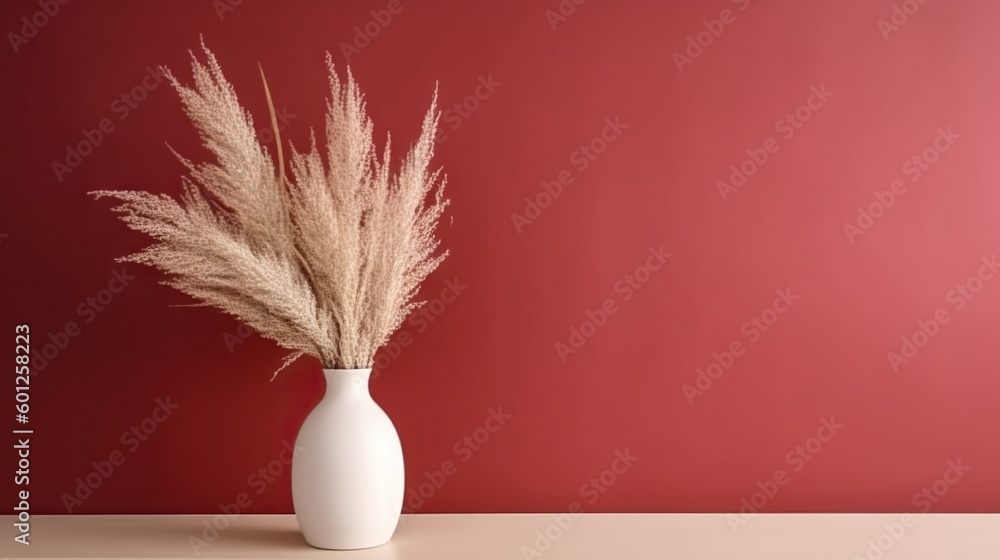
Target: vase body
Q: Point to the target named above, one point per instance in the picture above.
(347, 472)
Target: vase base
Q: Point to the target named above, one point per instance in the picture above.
(340, 546)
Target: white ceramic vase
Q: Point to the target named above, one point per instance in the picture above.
(347, 474)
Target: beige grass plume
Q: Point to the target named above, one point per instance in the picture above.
(326, 261)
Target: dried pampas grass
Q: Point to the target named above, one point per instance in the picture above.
(325, 260)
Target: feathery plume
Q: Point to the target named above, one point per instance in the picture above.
(326, 258)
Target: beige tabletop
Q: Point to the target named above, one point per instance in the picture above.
(527, 536)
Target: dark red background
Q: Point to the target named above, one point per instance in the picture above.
(494, 346)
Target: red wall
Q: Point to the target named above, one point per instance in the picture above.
(839, 107)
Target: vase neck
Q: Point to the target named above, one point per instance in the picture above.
(347, 382)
